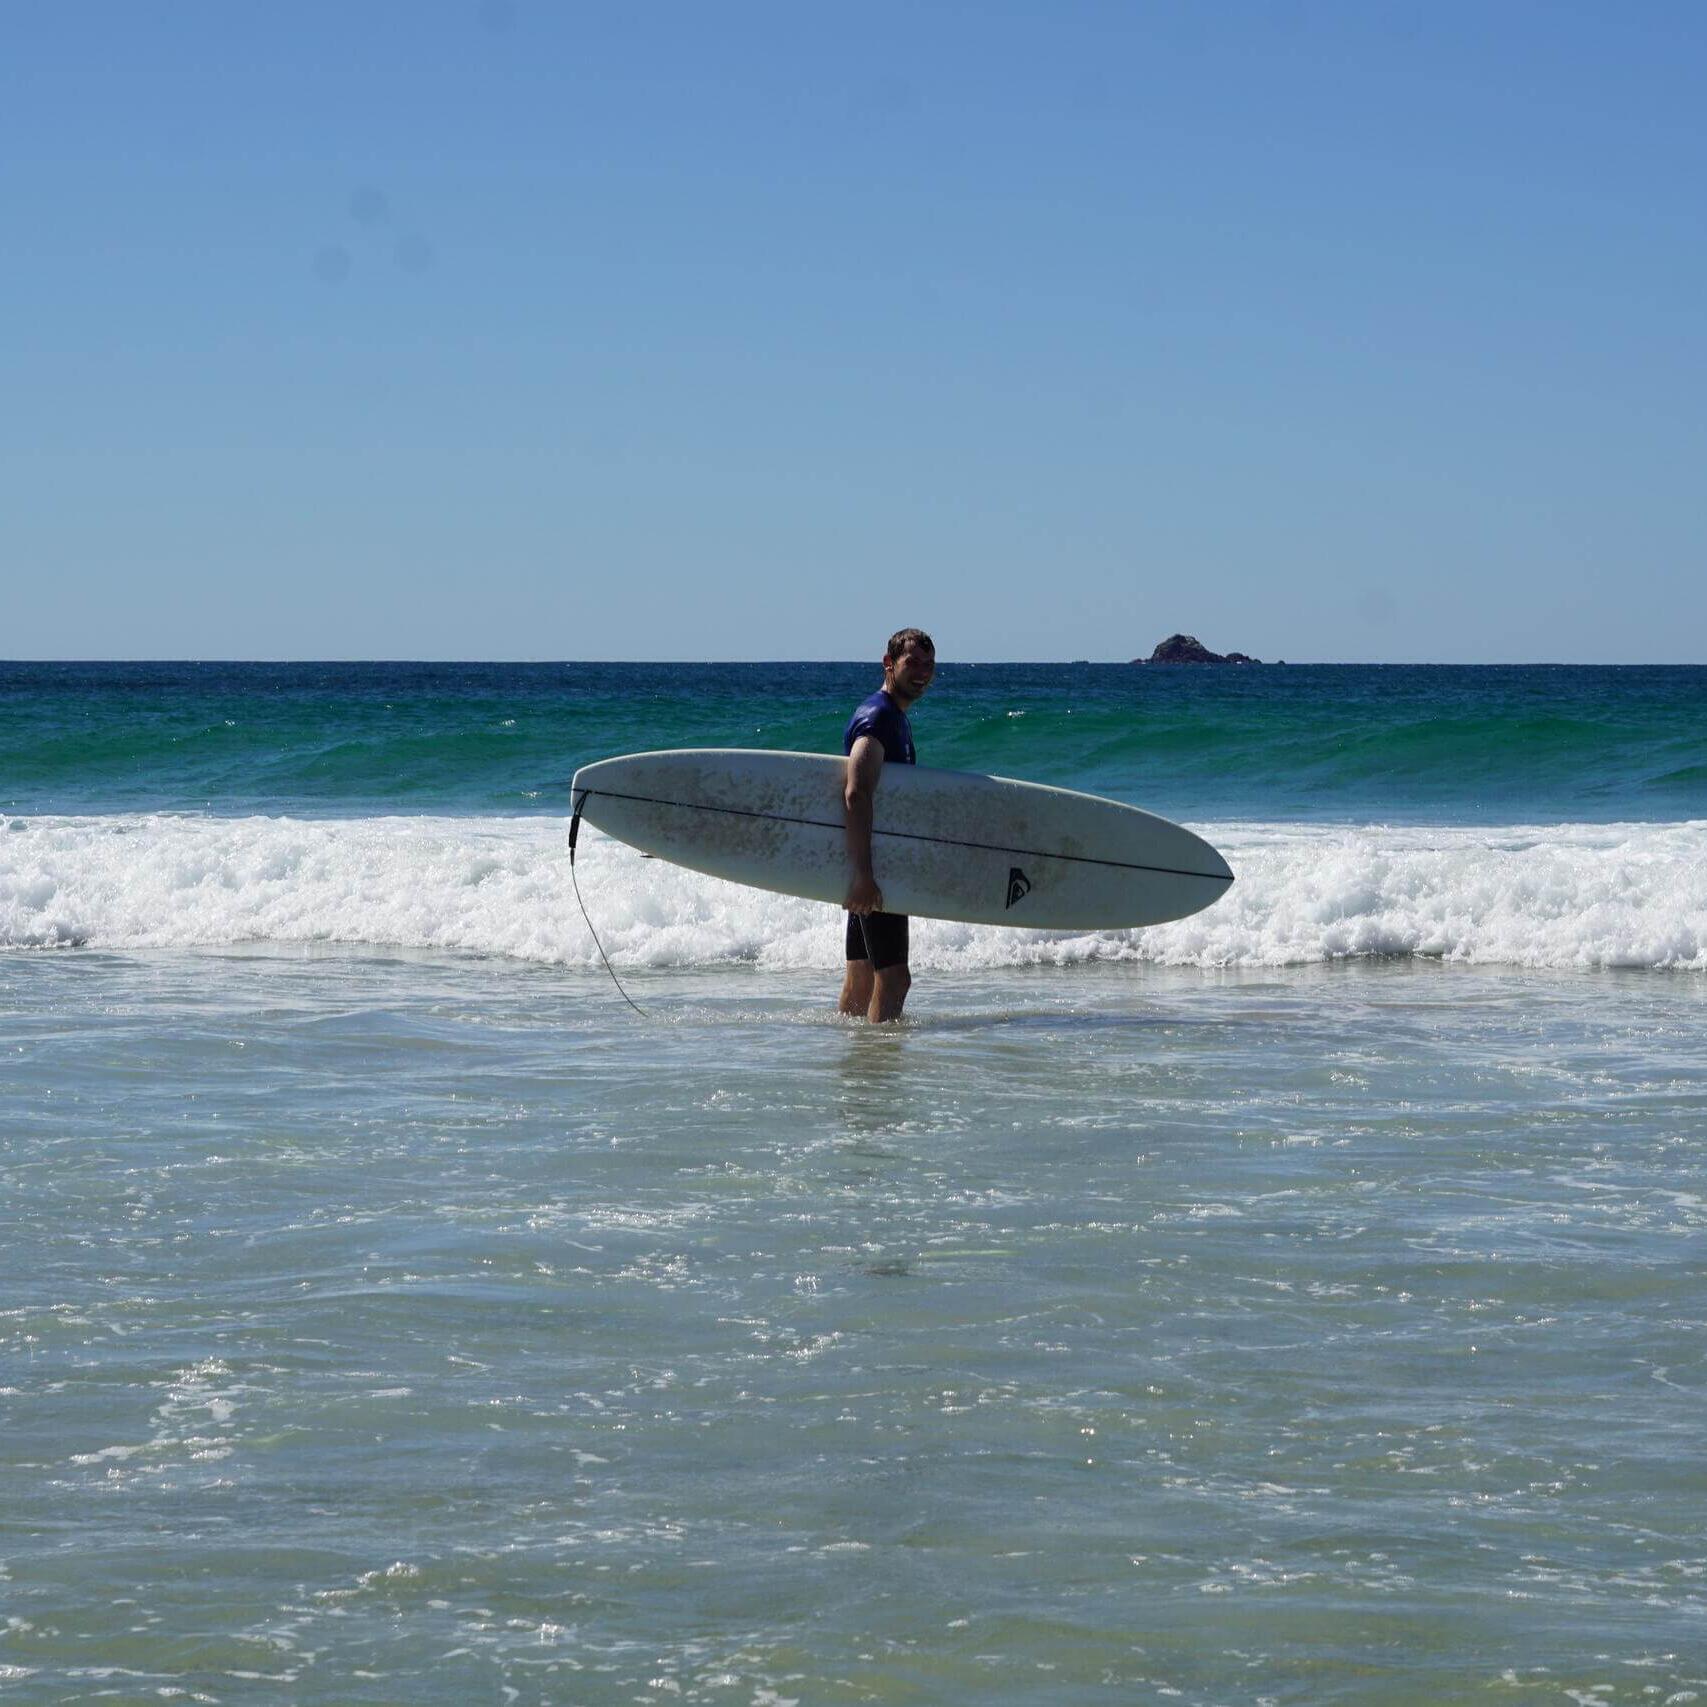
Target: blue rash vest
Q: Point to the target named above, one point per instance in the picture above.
(877, 714)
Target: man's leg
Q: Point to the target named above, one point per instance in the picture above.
(889, 994)
(857, 981)
(857, 987)
(886, 938)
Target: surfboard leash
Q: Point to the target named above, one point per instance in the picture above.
(574, 831)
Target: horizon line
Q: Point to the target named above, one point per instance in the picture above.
(975, 663)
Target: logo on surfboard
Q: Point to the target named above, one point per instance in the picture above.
(1019, 885)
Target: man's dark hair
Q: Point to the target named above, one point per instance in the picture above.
(898, 643)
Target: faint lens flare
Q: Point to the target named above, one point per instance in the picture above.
(370, 207)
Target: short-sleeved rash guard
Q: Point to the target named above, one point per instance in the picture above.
(879, 715)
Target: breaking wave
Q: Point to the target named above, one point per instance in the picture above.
(1571, 895)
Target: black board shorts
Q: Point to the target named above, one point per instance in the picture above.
(880, 938)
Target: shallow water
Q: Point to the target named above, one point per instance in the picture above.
(385, 1326)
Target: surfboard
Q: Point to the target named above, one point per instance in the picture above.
(986, 850)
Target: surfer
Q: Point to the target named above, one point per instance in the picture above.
(877, 979)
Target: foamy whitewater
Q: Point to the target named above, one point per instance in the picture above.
(1605, 895)
(1300, 1303)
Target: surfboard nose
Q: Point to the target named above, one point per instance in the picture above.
(1200, 857)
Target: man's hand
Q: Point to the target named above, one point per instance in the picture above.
(864, 896)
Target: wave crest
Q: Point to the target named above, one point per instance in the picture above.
(1629, 895)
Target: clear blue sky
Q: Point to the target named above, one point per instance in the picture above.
(1350, 330)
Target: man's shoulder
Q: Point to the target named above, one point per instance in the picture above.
(881, 718)
(876, 708)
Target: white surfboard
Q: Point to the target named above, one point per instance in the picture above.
(945, 844)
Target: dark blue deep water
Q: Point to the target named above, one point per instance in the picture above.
(1392, 743)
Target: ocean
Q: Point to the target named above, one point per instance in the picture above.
(1302, 1302)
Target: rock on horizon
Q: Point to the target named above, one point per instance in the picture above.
(1188, 649)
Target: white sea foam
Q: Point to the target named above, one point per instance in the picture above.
(1618, 895)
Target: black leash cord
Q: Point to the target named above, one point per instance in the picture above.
(574, 831)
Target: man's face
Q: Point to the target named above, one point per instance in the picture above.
(912, 671)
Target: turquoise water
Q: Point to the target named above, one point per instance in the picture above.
(1301, 1303)
(1484, 744)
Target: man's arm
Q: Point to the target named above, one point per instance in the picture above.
(865, 769)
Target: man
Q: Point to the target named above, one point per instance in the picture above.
(877, 979)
